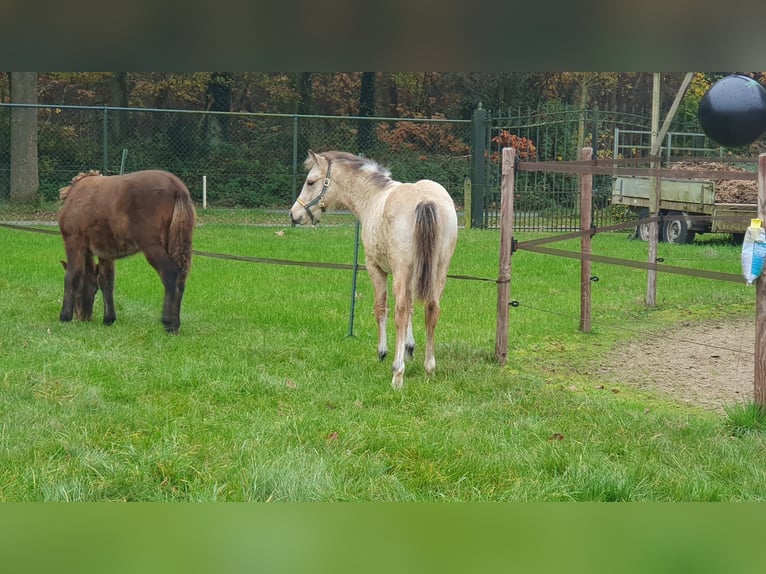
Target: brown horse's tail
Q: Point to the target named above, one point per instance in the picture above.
(181, 230)
(426, 232)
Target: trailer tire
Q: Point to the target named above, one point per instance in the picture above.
(677, 230)
(642, 229)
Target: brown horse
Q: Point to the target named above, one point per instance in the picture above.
(115, 216)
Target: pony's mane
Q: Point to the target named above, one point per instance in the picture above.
(377, 173)
(64, 191)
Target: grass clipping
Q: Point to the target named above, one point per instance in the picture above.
(726, 190)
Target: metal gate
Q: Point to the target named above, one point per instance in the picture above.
(550, 201)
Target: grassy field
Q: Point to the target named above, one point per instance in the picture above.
(264, 396)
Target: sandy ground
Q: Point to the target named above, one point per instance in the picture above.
(708, 365)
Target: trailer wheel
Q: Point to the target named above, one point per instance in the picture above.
(677, 230)
(642, 229)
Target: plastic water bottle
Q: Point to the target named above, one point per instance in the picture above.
(753, 251)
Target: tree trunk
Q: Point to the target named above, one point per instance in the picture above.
(25, 181)
(393, 97)
(218, 100)
(583, 104)
(119, 121)
(365, 134)
(305, 105)
(304, 93)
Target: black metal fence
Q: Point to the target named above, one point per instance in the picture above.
(551, 201)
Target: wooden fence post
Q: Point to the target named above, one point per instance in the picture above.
(759, 376)
(655, 191)
(586, 206)
(506, 245)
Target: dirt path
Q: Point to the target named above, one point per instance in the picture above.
(709, 365)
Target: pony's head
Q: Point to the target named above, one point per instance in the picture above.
(86, 294)
(311, 202)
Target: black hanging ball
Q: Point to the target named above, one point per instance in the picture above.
(732, 112)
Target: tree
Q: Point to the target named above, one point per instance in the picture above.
(365, 135)
(505, 93)
(218, 95)
(120, 98)
(25, 181)
(303, 87)
(304, 106)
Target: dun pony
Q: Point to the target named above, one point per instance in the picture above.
(111, 217)
(409, 230)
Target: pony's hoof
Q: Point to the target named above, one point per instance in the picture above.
(109, 322)
(398, 379)
(172, 329)
(409, 351)
(382, 355)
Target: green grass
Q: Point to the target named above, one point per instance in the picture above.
(263, 396)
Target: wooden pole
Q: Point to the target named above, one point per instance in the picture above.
(759, 377)
(506, 244)
(586, 206)
(654, 199)
(671, 113)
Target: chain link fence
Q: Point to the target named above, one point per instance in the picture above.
(256, 160)
(247, 159)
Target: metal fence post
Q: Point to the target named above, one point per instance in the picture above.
(295, 157)
(478, 173)
(106, 143)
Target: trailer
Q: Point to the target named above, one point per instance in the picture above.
(689, 207)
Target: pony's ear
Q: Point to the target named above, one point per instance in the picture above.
(63, 264)
(312, 159)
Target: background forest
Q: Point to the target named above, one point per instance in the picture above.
(248, 132)
(390, 94)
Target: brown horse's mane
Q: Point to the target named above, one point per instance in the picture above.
(64, 191)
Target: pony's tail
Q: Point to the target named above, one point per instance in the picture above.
(426, 231)
(181, 230)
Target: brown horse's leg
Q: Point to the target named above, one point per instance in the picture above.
(168, 271)
(380, 284)
(106, 284)
(67, 306)
(402, 314)
(72, 282)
